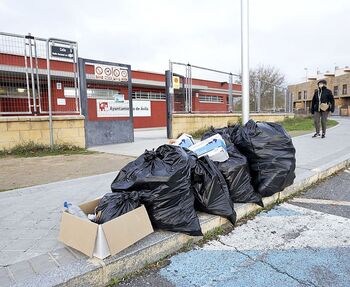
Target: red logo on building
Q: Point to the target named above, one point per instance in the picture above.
(103, 106)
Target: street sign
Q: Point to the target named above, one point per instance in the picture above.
(176, 82)
(62, 52)
(111, 73)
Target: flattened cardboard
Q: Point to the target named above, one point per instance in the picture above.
(78, 233)
(127, 229)
(104, 239)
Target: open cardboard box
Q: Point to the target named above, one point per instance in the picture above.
(102, 240)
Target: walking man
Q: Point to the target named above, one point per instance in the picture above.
(322, 103)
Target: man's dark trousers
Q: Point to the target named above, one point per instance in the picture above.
(321, 117)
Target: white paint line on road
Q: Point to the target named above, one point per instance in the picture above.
(287, 227)
(320, 201)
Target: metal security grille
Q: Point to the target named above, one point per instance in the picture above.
(34, 71)
(198, 89)
(195, 89)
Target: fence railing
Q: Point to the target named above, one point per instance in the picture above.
(34, 71)
(197, 89)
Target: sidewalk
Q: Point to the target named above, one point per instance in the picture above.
(143, 139)
(30, 254)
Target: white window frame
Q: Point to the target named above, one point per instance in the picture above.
(208, 99)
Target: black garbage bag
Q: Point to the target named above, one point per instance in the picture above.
(271, 156)
(164, 178)
(235, 170)
(211, 191)
(112, 205)
(235, 132)
(229, 134)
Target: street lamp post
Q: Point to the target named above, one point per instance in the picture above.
(305, 95)
(245, 59)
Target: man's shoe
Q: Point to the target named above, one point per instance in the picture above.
(316, 135)
(323, 136)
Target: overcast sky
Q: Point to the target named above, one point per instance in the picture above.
(288, 34)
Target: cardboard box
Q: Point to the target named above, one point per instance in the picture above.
(103, 240)
(203, 147)
(219, 154)
(184, 140)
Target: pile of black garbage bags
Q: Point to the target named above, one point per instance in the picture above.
(173, 183)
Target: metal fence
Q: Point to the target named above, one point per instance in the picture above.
(266, 97)
(38, 76)
(202, 90)
(198, 89)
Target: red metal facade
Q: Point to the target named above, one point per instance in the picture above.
(142, 82)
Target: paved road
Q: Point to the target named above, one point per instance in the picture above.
(305, 242)
(333, 196)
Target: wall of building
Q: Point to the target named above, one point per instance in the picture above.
(189, 123)
(19, 130)
(338, 79)
(198, 105)
(309, 87)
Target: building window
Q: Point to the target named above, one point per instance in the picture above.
(91, 93)
(305, 95)
(211, 99)
(142, 95)
(336, 91)
(299, 95)
(14, 92)
(345, 89)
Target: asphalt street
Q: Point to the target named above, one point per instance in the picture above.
(304, 242)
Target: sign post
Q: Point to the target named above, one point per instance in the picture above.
(62, 52)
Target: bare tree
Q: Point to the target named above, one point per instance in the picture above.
(267, 77)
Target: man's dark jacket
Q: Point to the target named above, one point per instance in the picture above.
(326, 97)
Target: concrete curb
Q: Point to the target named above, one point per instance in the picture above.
(94, 272)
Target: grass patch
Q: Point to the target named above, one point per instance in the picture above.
(199, 133)
(295, 124)
(31, 149)
(302, 124)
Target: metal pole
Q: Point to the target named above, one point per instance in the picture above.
(131, 110)
(37, 74)
(285, 100)
(30, 37)
(49, 90)
(169, 106)
(78, 75)
(245, 59)
(274, 99)
(207, 69)
(230, 96)
(75, 78)
(190, 90)
(258, 95)
(186, 90)
(27, 78)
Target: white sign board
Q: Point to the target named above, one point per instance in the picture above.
(61, 102)
(111, 73)
(111, 108)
